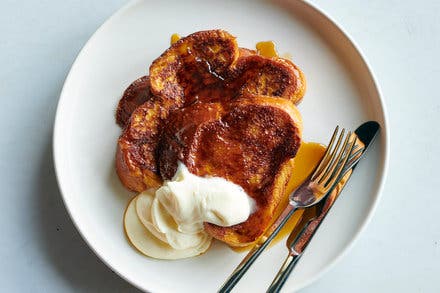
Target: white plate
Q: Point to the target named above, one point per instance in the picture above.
(341, 90)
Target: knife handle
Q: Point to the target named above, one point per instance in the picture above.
(283, 273)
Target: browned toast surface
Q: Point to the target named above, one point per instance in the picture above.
(223, 111)
(278, 77)
(208, 65)
(250, 143)
(192, 64)
(135, 95)
(136, 162)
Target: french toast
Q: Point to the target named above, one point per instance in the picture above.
(223, 111)
(135, 95)
(136, 150)
(249, 142)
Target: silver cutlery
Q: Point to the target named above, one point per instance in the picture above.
(309, 193)
(300, 237)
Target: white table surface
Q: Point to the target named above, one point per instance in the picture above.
(40, 250)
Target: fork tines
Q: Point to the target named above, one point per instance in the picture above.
(335, 158)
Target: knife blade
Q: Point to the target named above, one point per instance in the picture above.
(301, 236)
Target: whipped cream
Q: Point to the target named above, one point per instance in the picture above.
(175, 212)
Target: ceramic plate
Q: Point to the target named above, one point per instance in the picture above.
(341, 90)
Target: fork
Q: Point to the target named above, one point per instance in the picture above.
(301, 236)
(298, 240)
(309, 193)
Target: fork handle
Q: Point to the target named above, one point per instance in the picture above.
(253, 254)
(283, 273)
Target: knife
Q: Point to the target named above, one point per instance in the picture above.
(301, 236)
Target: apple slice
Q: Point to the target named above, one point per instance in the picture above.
(162, 225)
(146, 243)
(144, 201)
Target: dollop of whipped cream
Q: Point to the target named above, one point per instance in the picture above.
(175, 212)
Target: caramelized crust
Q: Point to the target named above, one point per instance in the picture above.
(198, 60)
(244, 52)
(223, 111)
(250, 146)
(277, 77)
(136, 163)
(249, 142)
(209, 66)
(135, 95)
(180, 132)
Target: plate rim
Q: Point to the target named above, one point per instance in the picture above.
(384, 130)
(383, 162)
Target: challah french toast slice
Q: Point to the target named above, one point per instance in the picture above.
(276, 77)
(135, 95)
(136, 149)
(249, 142)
